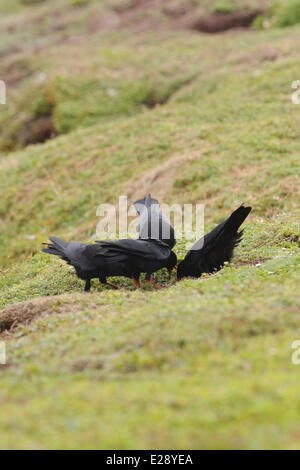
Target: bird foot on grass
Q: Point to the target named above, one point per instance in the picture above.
(136, 282)
(152, 282)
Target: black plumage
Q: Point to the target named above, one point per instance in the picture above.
(211, 252)
(153, 223)
(103, 259)
(139, 256)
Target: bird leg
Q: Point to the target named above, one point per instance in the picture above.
(87, 286)
(136, 282)
(150, 279)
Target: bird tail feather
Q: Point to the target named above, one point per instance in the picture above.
(229, 238)
(57, 247)
(237, 218)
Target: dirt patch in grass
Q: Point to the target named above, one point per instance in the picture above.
(37, 130)
(25, 312)
(146, 15)
(218, 22)
(245, 262)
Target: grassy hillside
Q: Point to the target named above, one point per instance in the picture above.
(194, 118)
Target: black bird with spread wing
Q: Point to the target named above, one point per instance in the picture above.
(153, 224)
(139, 256)
(127, 258)
(211, 252)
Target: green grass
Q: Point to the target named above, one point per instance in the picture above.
(289, 14)
(279, 14)
(198, 364)
(40, 62)
(227, 127)
(204, 355)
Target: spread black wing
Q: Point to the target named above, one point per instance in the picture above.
(146, 249)
(215, 248)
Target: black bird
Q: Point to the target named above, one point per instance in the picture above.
(211, 252)
(139, 256)
(153, 224)
(127, 258)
